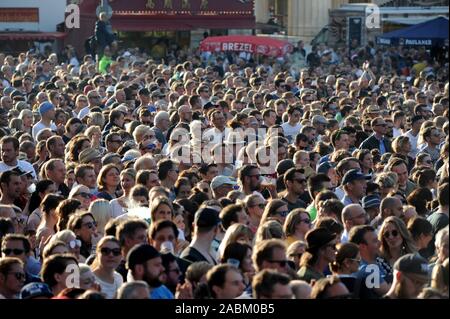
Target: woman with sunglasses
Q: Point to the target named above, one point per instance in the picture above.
(275, 210)
(85, 228)
(82, 194)
(72, 243)
(297, 224)
(108, 257)
(347, 264)
(396, 241)
(295, 252)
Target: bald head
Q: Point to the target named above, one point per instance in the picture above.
(353, 215)
(301, 289)
(391, 206)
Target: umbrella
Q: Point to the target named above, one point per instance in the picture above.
(428, 33)
(250, 44)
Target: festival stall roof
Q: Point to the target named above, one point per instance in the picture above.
(429, 33)
(174, 15)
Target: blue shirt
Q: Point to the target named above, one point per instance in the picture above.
(162, 292)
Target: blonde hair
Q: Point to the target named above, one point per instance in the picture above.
(102, 211)
(232, 235)
(96, 262)
(139, 132)
(270, 230)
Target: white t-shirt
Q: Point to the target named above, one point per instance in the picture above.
(413, 139)
(84, 112)
(23, 165)
(110, 289)
(39, 126)
(396, 132)
(291, 131)
(116, 209)
(215, 136)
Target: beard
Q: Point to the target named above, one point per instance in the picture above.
(153, 282)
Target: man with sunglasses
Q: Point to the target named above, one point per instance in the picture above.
(12, 277)
(295, 182)
(432, 137)
(250, 179)
(378, 140)
(18, 246)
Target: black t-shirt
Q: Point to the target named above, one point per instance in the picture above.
(193, 255)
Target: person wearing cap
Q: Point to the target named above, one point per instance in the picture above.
(371, 204)
(411, 276)
(355, 185)
(320, 253)
(47, 113)
(144, 263)
(319, 122)
(221, 186)
(378, 139)
(206, 226)
(328, 169)
(93, 157)
(36, 290)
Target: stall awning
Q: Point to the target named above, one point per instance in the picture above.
(32, 36)
(141, 24)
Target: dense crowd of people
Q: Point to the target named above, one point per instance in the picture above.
(222, 175)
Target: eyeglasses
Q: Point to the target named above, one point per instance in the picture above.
(15, 251)
(19, 275)
(282, 263)
(382, 125)
(83, 194)
(283, 213)
(108, 251)
(74, 243)
(393, 233)
(90, 225)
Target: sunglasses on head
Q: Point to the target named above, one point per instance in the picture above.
(74, 243)
(108, 251)
(15, 251)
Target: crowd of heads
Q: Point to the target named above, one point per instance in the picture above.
(223, 175)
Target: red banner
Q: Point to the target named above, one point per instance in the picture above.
(19, 15)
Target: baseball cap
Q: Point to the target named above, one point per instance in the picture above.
(88, 155)
(139, 254)
(354, 175)
(35, 290)
(110, 89)
(221, 180)
(44, 107)
(319, 119)
(324, 167)
(317, 238)
(371, 201)
(413, 264)
(207, 217)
